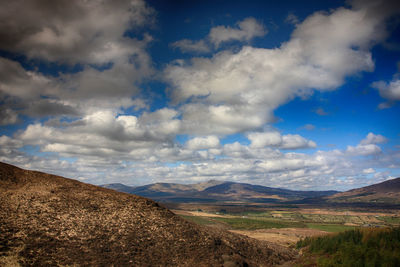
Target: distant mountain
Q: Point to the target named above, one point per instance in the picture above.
(48, 220)
(387, 192)
(119, 187)
(162, 189)
(217, 191)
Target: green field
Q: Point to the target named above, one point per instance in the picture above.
(257, 223)
(293, 219)
(390, 219)
(254, 223)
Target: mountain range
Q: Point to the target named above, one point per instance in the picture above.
(213, 191)
(217, 191)
(48, 220)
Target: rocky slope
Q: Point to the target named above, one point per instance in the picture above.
(47, 220)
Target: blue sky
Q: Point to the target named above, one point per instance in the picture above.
(300, 95)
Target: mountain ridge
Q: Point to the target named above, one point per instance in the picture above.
(384, 192)
(381, 193)
(213, 191)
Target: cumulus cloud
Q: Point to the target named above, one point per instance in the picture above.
(294, 141)
(373, 139)
(389, 91)
(203, 143)
(33, 94)
(112, 63)
(22, 92)
(104, 133)
(111, 147)
(246, 30)
(71, 31)
(363, 150)
(228, 93)
(239, 91)
(15, 81)
(275, 139)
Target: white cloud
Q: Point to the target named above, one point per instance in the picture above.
(368, 171)
(34, 94)
(188, 46)
(367, 146)
(91, 33)
(203, 143)
(373, 139)
(104, 133)
(231, 92)
(238, 91)
(294, 141)
(275, 139)
(72, 31)
(265, 139)
(246, 30)
(15, 81)
(389, 91)
(363, 150)
(111, 148)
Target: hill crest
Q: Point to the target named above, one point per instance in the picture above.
(50, 220)
(384, 192)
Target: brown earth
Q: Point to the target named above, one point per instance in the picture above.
(283, 236)
(47, 220)
(200, 214)
(348, 212)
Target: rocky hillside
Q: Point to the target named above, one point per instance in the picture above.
(47, 220)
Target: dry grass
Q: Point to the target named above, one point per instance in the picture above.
(285, 236)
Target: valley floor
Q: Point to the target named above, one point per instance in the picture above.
(286, 226)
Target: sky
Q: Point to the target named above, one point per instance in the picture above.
(294, 94)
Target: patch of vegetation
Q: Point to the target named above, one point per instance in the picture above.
(254, 223)
(360, 247)
(334, 228)
(389, 219)
(198, 219)
(265, 214)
